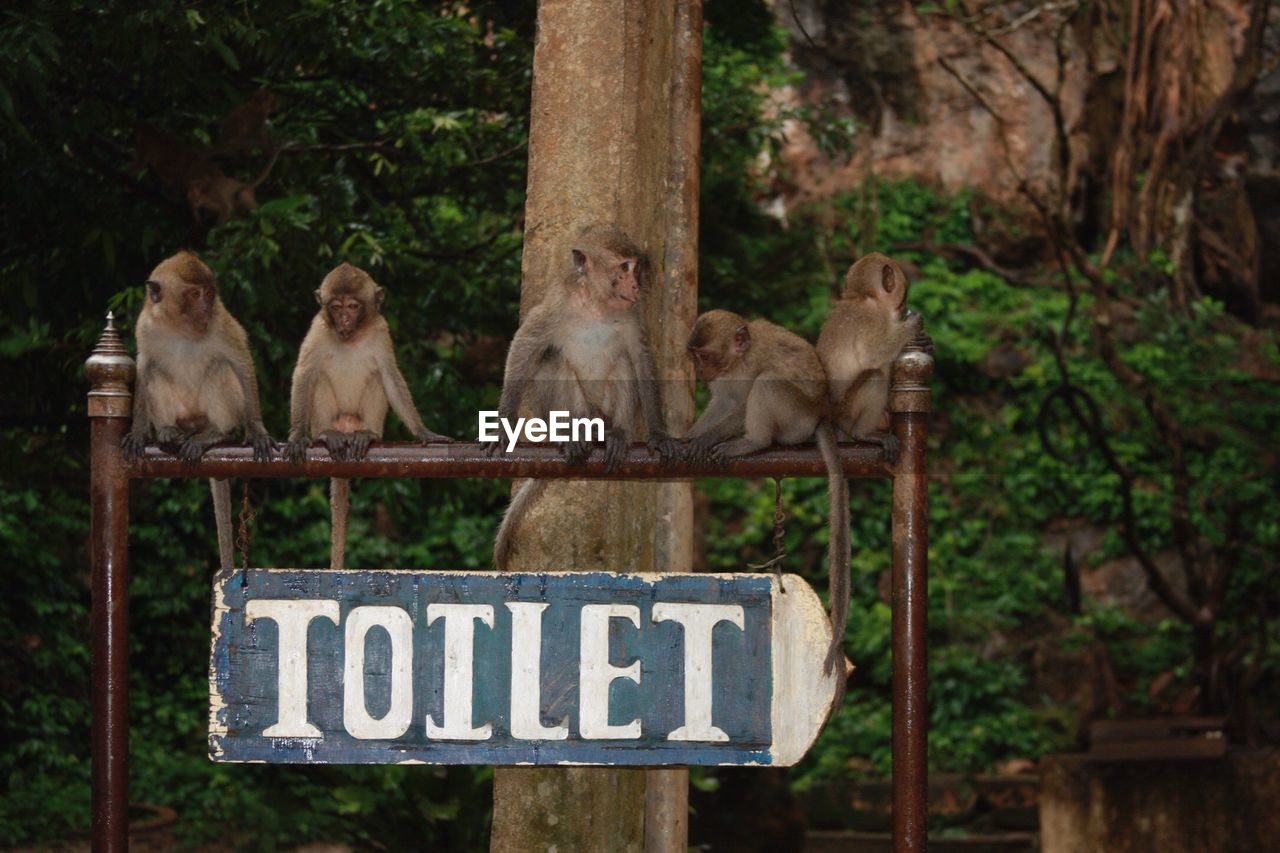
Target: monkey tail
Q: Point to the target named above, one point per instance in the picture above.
(838, 548)
(520, 503)
(339, 504)
(262, 176)
(221, 490)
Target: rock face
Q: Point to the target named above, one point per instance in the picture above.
(983, 100)
(925, 93)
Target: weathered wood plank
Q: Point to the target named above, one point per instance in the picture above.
(482, 668)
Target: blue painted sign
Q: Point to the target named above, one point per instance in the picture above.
(484, 668)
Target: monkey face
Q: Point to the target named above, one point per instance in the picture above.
(612, 279)
(345, 314)
(625, 284)
(706, 362)
(197, 305)
(181, 288)
(719, 341)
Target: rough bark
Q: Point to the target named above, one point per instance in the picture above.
(609, 142)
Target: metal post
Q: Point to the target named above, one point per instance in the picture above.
(109, 370)
(910, 402)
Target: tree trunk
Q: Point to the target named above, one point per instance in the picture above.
(613, 138)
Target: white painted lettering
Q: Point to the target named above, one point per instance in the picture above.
(459, 648)
(292, 619)
(595, 673)
(698, 622)
(526, 672)
(355, 715)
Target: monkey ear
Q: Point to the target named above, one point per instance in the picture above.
(887, 281)
(742, 338)
(580, 261)
(379, 295)
(153, 291)
(319, 298)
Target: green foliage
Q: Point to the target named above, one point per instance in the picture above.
(406, 125)
(995, 584)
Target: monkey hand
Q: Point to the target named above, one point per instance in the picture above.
(668, 449)
(915, 325)
(295, 450)
(575, 452)
(491, 448)
(429, 437)
(719, 455)
(359, 446)
(133, 445)
(891, 448)
(263, 444)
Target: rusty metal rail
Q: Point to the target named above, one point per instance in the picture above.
(468, 459)
(110, 371)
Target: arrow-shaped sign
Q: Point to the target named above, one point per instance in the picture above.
(484, 668)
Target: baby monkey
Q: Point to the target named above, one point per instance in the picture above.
(860, 340)
(196, 382)
(768, 387)
(345, 377)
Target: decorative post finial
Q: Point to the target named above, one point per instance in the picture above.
(909, 387)
(110, 371)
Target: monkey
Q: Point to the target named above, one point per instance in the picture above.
(224, 196)
(858, 343)
(204, 185)
(174, 162)
(245, 127)
(345, 377)
(196, 380)
(768, 387)
(583, 350)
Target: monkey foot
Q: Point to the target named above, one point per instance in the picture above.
(575, 452)
(296, 450)
(192, 449)
(492, 448)
(615, 451)
(338, 443)
(169, 437)
(359, 446)
(698, 450)
(668, 449)
(263, 444)
(133, 445)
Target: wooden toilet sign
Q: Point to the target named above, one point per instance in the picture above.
(402, 667)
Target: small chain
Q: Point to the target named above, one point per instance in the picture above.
(779, 534)
(243, 537)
